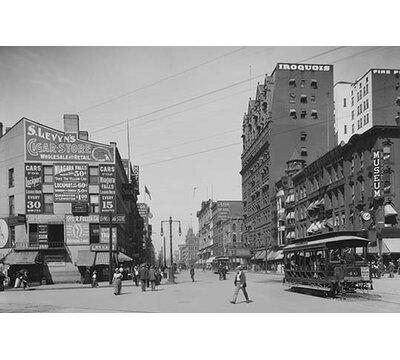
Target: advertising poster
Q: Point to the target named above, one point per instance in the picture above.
(77, 229)
(46, 144)
(107, 188)
(42, 233)
(33, 188)
(105, 234)
(71, 183)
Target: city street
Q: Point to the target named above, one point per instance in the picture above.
(206, 295)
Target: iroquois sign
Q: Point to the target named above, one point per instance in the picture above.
(46, 144)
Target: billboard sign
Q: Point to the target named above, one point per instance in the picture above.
(33, 188)
(107, 188)
(46, 144)
(77, 229)
(71, 182)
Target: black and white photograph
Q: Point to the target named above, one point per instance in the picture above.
(225, 187)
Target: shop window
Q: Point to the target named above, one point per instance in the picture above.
(33, 233)
(93, 175)
(47, 174)
(303, 99)
(314, 114)
(11, 178)
(12, 234)
(94, 236)
(48, 203)
(314, 84)
(11, 205)
(386, 152)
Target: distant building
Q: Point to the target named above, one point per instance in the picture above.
(292, 110)
(57, 189)
(205, 231)
(374, 99)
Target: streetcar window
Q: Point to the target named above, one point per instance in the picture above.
(334, 254)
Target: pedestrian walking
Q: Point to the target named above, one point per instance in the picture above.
(25, 280)
(221, 271)
(240, 284)
(192, 273)
(398, 266)
(391, 269)
(117, 281)
(143, 275)
(2, 278)
(135, 275)
(94, 279)
(152, 278)
(224, 271)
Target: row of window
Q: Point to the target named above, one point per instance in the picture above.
(302, 83)
(303, 114)
(303, 99)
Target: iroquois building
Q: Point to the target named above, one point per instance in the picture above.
(57, 189)
(292, 110)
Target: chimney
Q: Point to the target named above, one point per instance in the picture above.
(1, 129)
(71, 123)
(83, 135)
(113, 143)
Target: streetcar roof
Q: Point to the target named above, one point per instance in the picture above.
(335, 239)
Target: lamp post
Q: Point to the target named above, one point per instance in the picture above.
(170, 221)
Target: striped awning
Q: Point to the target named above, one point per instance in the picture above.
(102, 258)
(123, 258)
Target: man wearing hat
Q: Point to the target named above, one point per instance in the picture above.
(240, 284)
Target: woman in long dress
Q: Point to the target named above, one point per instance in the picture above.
(117, 280)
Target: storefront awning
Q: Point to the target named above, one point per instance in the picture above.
(259, 255)
(389, 210)
(210, 260)
(275, 255)
(123, 258)
(102, 258)
(21, 258)
(85, 258)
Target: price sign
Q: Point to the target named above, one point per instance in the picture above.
(71, 182)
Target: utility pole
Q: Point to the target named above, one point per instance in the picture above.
(110, 260)
(170, 221)
(165, 255)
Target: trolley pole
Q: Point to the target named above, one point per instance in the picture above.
(165, 255)
(170, 221)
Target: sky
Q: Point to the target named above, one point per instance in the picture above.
(184, 107)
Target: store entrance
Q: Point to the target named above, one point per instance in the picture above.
(55, 235)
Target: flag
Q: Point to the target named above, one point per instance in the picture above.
(146, 190)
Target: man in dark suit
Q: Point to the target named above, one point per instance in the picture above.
(144, 277)
(240, 284)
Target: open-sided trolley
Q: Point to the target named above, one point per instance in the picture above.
(333, 262)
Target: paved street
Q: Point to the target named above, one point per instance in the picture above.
(206, 295)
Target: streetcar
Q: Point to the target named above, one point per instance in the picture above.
(334, 262)
(220, 261)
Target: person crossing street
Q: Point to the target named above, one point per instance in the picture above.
(240, 284)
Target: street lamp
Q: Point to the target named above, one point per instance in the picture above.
(170, 221)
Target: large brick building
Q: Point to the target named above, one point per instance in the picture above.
(57, 189)
(354, 186)
(292, 110)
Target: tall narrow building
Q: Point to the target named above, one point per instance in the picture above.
(292, 110)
